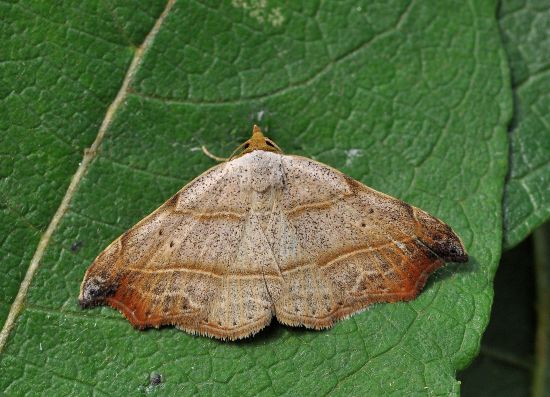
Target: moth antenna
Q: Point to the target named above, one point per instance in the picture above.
(274, 144)
(212, 156)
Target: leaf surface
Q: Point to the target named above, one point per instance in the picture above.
(60, 69)
(525, 30)
(409, 98)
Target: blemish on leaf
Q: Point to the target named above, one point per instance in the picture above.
(260, 11)
(154, 383)
(351, 155)
(75, 247)
(155, 379)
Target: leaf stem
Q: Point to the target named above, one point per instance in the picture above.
(507, 358)
(541, 373)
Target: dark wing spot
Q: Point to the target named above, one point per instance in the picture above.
(95, 290)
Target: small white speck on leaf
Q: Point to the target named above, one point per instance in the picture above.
(352, 154)
(259, 10)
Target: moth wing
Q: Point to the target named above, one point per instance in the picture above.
(352, 246)
(187, 264)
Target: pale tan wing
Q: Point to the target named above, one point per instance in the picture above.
(187, 264)
(345, 246)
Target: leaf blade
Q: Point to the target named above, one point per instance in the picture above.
(415, 126)
(527, 192)
(35, 116)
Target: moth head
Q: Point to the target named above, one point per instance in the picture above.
(258, 141)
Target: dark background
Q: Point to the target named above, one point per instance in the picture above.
(506, 360)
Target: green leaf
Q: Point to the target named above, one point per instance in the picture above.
(60, 70)
(411, 98)
(526, 30)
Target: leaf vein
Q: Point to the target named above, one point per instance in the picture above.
(89, 156)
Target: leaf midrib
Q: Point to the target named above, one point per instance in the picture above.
(89, 156)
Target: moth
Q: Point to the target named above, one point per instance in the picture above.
(266, 235)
